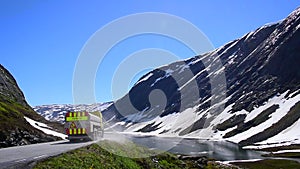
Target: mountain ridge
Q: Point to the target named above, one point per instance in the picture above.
(260, 67)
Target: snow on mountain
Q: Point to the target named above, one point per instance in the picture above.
(262, 88)
(174, 124)
(44, 128)
(56, 112)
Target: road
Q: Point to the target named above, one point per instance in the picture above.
(16, 156)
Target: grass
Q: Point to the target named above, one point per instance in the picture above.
(89, 157)
(12, 121)
(269, 164)
(97, 156)
(12, 115)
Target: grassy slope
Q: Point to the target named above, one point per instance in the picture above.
(12, 120)
(95, 156)
(13, 108)
(12, 115)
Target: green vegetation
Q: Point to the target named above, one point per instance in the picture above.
(269, 164)
(97, 156)
(15, 130)
(12, 114)
(109, 154)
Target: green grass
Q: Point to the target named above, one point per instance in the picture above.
(270, 164)
(12, 121)
(90, 157)
(97, 156)
(10, 116)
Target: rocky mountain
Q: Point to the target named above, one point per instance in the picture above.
(14, 128)
(257, 103)
(56, 112)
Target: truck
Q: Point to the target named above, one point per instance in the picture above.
(83, 126)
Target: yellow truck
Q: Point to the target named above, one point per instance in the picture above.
(83, 126)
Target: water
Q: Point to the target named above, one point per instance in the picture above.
(219, 150)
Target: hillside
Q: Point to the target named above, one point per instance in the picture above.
(14, 129)
(100, 156)
(257, 105)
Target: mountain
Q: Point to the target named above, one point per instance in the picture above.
(56, 112)
(14, 114)
(258, 103)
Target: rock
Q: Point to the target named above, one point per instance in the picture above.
(15, 130)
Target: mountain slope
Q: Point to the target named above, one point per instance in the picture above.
(14, 129)
(262, 91)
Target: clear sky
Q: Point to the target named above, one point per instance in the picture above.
(41, 40)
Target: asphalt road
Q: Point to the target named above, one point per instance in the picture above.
(16, 157)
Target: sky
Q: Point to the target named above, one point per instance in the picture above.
(42, 40)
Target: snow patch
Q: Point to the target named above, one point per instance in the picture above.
(284, 107)
(41, 126)
(144, 78)
(290, 134)
(237, 161)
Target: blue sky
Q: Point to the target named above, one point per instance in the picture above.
(41, 40)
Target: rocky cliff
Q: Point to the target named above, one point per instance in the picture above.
(14, 129)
